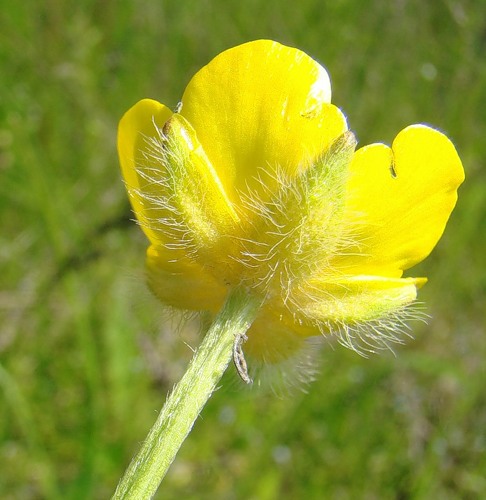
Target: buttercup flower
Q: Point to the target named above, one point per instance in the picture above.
(254, 182)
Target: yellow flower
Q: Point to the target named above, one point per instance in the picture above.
(254, 182)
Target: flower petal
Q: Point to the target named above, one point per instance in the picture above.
(399, 201)
(260, 104)
(274, 336)
(179, 282)
(136, 132)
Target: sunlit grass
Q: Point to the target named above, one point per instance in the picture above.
(86, 358)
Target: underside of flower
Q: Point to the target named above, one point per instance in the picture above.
(255, 183)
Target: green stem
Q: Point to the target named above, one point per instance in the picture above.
(149, 466)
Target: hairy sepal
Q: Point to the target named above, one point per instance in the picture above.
(300, 227)
(198, 198)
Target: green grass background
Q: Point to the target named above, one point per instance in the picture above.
(87, 355)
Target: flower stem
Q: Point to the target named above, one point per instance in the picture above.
(175, 421)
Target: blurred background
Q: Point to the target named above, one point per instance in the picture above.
(87, 356)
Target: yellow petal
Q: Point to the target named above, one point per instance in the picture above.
(137, 130)
(274, 336)
(356, 299)
(399, 201)
(261, 104)
(179, 282)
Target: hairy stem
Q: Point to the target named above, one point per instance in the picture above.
(175, 421)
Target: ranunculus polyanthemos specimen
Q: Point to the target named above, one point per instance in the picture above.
(254, 181)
